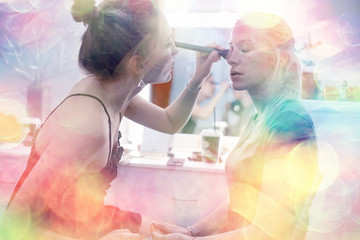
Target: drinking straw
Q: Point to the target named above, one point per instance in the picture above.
(214, 120)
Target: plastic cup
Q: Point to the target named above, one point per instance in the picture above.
(210, 140)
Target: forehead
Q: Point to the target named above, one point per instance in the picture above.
(164, 28)
(241, 33)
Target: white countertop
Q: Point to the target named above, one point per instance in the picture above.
(185, 144)
(180, 163)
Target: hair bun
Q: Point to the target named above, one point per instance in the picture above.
(82, 10)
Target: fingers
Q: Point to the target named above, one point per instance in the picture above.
(166, 228)
(204, 63)
(215, 45)
(123, 231)
(218, 48)
(124, 234)
(158, 227)
(158, 236)
(154, 229)
(134, 236)
(214, 56)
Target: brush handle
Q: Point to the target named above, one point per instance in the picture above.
(197, 48)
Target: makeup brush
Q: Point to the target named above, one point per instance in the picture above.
(197, 48)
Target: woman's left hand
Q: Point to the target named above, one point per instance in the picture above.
(172, 236)
(124, 234)
(166, 228)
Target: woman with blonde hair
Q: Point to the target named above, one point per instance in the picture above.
(272, 173)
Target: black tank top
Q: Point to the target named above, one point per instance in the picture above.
(107, 174)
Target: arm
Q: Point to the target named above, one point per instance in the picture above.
(205, 112)
(169, 120)
(213, 222)
(123, 234)
(205, 226)
(172, 119)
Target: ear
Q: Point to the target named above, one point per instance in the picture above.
(136, 65)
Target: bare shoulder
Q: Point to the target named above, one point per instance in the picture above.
(77, 131)
(82, 113)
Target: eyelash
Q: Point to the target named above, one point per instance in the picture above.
(242, 50)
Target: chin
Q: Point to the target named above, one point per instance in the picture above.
(165, 78)
(158, 77)
(169, 77)
(237, 86)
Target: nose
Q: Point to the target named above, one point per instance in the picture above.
(231, 57)
(174, 50)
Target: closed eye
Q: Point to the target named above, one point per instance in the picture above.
(247, 47)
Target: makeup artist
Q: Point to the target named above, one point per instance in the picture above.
(76, 153)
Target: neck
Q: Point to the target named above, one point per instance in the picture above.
(117, 92)
(261, 96)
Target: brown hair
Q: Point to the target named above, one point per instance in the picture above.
(114, 29)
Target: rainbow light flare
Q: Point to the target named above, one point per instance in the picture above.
(30, 32)
(12, 130)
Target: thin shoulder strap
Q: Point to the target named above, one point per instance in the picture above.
(87, 95)
(30, 164)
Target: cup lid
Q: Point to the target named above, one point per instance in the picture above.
(211, 132)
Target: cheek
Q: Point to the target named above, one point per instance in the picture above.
(164, 62)
(265, 65)
(159, 67)
(160, 59)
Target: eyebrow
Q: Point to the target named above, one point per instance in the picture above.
(243, 41)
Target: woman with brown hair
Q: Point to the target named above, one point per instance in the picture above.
(76, 153)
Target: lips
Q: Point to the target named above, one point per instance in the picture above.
(234, 74)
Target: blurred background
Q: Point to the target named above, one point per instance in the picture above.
(39, 42)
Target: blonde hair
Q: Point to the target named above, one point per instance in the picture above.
(278, 37)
